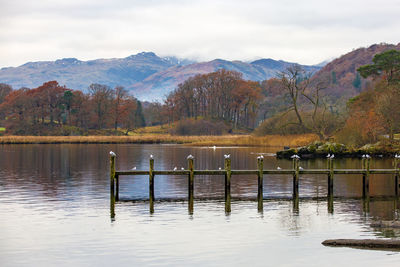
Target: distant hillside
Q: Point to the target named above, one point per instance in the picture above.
(161, 83)
(146, 75)
(78, 74)
(345, 81)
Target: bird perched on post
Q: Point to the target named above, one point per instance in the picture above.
(227, 156)
(332, 156)
(175, 168)
(295, 157)
(190, 157)
(134, 168)
(328, 156)
(151, 156)
(112, 154)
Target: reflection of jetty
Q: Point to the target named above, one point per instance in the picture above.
(296, 171)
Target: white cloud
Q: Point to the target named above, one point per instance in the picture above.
(302, 31)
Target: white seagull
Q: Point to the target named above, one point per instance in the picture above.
(332, 156)
(279, 168)
(300, 168)
(182, 169)
(151, 156)
(175, 168)
(190, 156)
(134, 168)
(112, 154)
(219, 168)
(328, 156)
(227, 156)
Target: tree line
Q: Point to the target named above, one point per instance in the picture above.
(55, 109)
(222, 95)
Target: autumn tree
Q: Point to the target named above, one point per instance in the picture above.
(307, 101)
(102, 100)
(5, 89)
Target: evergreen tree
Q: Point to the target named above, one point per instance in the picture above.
(139, 117)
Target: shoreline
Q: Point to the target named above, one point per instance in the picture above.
(223, 140)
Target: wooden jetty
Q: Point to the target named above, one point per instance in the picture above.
(296, 171)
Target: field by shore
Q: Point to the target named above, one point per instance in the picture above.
(224, 140)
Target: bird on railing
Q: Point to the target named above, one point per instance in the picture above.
(219, 168)
(112, 154)
(182, 169)
(328, 156)
(151, 156)
(134, 168)
(279, 168)
(301, 168)
(368, 156)
(175, 168)
(332, 156)
(214, 147)
(295, 157)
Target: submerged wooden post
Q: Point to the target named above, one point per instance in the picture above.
(366, 177)
(330, 204)
(151, 184)
(330, 177)
(296, 168)
(228, 174)
(191, 182)
(112, 184)
(260, 165)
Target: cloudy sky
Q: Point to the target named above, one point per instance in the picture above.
(303, 31)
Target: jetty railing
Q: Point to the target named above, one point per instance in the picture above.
(296, 171)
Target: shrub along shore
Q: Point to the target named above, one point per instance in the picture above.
(224, 140)
(319, 149)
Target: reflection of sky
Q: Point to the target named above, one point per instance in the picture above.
(55, 235)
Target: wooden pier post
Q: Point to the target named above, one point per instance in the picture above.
(191, 183)
(296, 168)
(228, 174)
(116, 187)
(330, 177)
(396, 176)
(260, 165)
(366, 177)
(112, 184)
(151, 184)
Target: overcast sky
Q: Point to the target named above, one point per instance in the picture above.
(303, 31)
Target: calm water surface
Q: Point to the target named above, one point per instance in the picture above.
(55, 211)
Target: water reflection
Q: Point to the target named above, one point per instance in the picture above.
(56, 198)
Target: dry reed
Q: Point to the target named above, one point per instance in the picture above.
(225, 140)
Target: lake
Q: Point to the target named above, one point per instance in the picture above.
(55, 210)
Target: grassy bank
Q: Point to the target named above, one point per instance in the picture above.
(225, 140)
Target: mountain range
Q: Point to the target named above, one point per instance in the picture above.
(146, 75)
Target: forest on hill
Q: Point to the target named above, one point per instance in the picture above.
(351, 99)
